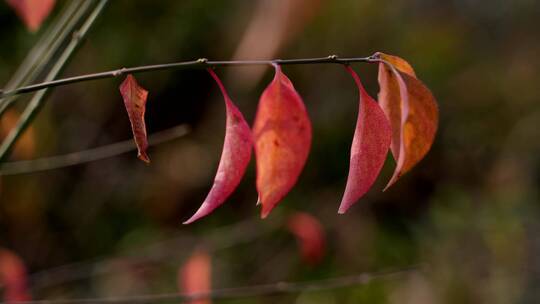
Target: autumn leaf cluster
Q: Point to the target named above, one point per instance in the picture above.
(404, 120)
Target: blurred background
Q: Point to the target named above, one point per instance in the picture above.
(468, 213)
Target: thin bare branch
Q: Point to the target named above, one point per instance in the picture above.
(81, 157)
(171, 249)
(202, 63)
(246, 291)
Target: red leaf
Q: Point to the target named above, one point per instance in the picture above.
(195, 276)
(310, 236)
(370, 145)
(13, 277)
(234, 157)
(282, 133)
(32, 12)
(135, 101)
(412, 111)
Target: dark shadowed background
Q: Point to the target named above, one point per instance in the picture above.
(469, 212)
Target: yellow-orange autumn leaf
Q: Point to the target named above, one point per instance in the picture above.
(412, 111)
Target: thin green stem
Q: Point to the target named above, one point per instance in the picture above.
(42, 53)
(42, 45)
(37, 101)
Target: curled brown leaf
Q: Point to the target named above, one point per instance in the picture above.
(135, 102)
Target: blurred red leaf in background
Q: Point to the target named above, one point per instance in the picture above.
(13, 277)
(195, 276)
(310, 236)
(32, 12)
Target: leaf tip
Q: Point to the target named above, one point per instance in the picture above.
(190, 220)
(202, 212)
(342, 209)
(265, 211)
(144, 157)
(392, 181)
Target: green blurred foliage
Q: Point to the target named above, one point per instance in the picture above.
(468, 212)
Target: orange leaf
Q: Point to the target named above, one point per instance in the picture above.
(369, 147)
(234, 157)
(310, 236)
(13, 277)
(135, 101)
(195, 276)
(412, 111)
(399, 63)
(282, 134)
(32, 12)
(25, 146)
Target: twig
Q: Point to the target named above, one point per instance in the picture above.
(220, 238)
(246, 291)
(37, 101)
(75, 158)
(202, 63)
